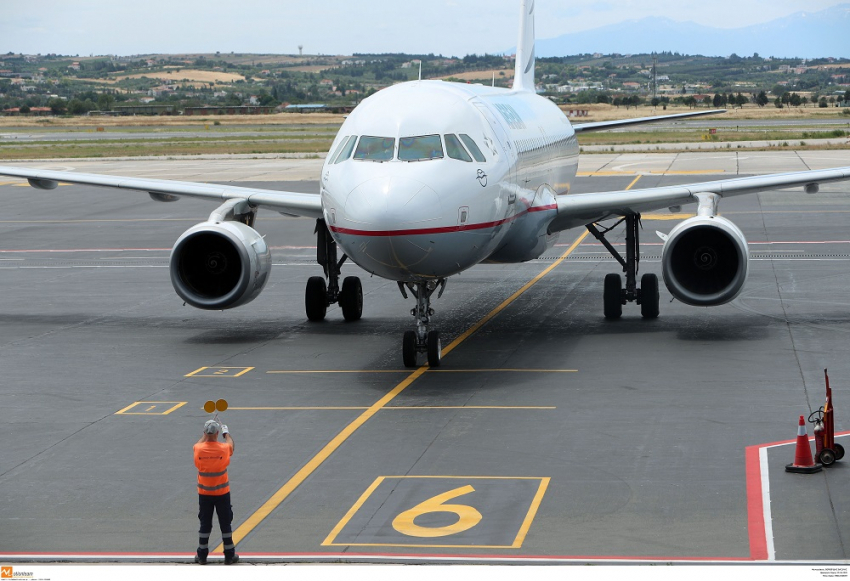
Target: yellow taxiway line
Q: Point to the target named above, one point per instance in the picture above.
(284, 491)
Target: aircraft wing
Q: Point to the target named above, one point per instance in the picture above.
(600, 125)
(291, 203)
(580, 209)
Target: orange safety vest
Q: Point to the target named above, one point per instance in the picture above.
(212, 459)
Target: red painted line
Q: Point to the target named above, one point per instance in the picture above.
(64, 250)
(441, 230)
(755, 506)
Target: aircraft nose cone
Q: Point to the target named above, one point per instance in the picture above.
(393, 203)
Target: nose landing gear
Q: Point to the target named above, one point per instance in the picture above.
(319, 294)
(422, 340)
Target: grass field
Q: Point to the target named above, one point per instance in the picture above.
(313, 133)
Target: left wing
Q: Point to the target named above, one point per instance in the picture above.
(580, 209)
(292, 203)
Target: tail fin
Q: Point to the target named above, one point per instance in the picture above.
(524, 73)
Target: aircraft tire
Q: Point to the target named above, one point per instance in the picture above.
(316, 298)
(649, 298)
(612, 302)
(826, 457)
(434, 348)
(408, 349)
(351, 298)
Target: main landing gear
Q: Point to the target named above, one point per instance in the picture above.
(320, 294)
(614, 296)
(422, 340)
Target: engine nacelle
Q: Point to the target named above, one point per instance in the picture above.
(705, 261)
(220, 265)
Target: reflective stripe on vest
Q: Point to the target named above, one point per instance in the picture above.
(212, 459)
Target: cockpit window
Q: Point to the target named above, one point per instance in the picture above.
(375, 148)
(420, 148)
(473, 148)
(455, 149)
(345, 150)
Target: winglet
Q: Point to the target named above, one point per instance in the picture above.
(524, 73)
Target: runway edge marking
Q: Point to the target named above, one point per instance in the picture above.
(283, 492)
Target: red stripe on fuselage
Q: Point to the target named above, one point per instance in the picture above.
(442, 230)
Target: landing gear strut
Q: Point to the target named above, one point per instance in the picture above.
(321, 294)
(422, 340)
(614, 295)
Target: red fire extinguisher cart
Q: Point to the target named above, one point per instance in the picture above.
(826, 450)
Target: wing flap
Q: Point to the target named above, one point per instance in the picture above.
(580, 209)
(294, 203)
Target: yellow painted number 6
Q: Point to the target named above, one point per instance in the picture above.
(468, 517)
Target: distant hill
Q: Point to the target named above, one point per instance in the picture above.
(804, 35)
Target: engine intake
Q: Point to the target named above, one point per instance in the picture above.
(705, 261)
(220, 265)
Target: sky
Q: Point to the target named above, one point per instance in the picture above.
(447, 27)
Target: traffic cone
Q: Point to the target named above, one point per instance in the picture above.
(803, 461)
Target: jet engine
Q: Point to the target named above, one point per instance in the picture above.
(220, 265)
(705, 261)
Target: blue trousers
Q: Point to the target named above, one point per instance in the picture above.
(220, 504)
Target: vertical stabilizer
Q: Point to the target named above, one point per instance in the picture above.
(524, 74)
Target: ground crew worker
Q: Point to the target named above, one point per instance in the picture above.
(212, 458)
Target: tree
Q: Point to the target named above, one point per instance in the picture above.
(741, 100)
(58, 106)
(795, 100)
(761, 99)
(105, 101)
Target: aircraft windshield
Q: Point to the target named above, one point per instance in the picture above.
(420, 148)
(455, 149)
(375, 148)
(345, 149)
(473, 148)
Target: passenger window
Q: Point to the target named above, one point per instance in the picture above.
(375, 148)
(455, 149)
(420, 148)
(473, 148)
(345, 152)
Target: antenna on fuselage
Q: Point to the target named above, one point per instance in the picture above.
(524, 72)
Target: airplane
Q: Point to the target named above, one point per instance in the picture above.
(426, 179)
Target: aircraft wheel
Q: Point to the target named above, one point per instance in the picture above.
(434, 348)
(408, 349)
(351, 298)
(612, 301)
(649, 298)
(316, 298)
(826, 457)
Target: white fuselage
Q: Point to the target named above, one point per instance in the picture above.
(428, 178)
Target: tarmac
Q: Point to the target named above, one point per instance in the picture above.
(548, 435)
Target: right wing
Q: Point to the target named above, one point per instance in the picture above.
(601, 125)
(291, 203)
(581, 209)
